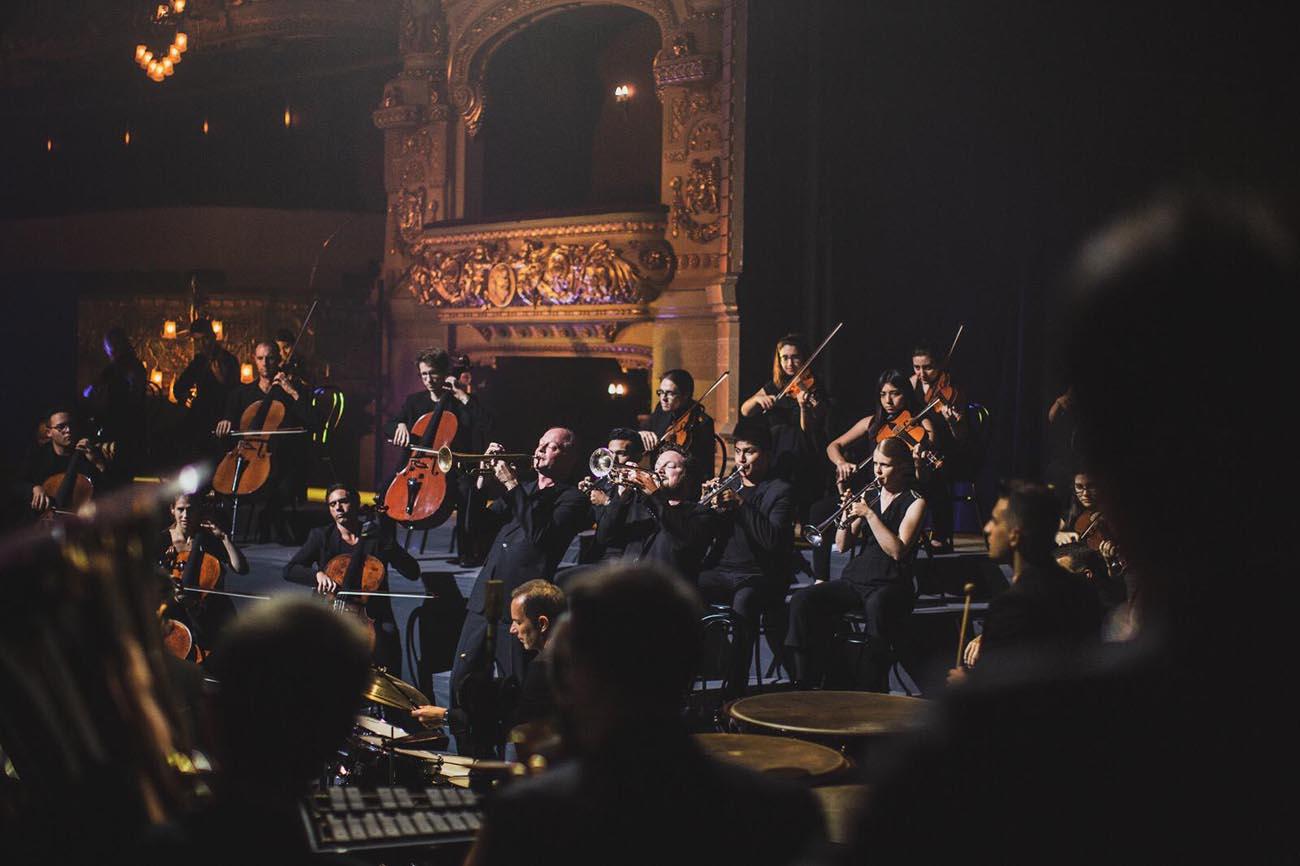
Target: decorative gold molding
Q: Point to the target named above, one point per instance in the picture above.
(696, 194)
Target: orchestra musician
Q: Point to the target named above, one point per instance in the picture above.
(748, 564)
(878, 581)
(204, 387)
(473, 426)
(1048, 612)
(673, 527)
(928, 380)
(52, 457)
(348, 532)
(797, 424)
(894, 396)
(116, 402)
(676, 394)
(195, 534)
(285, 485)
(543, 516)
(606, 494)
(535, 608)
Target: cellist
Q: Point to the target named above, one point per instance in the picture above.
(349, 535)
(198, 536)
(54, 456)
(272, 383)
(473, 427)
(676, 394)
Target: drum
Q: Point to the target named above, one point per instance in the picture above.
(369, 757)
(777, 756)
(827, 716)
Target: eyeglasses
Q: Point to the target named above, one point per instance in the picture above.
(662, 393)
(64, 426)
(1082, 487)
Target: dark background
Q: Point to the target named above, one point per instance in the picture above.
(908, 166)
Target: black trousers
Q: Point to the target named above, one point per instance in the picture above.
(815, 614)
(753, 598)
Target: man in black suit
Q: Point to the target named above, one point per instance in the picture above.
(472, 427)
(748, 565)
(639, 789)
(1047, 611)
(544, 516)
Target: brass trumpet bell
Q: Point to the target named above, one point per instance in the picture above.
(449, 460)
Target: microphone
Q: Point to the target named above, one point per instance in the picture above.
(492, 600)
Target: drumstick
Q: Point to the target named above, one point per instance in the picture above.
(968, 589)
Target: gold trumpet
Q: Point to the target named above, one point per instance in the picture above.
(448, 459)
(603, 464)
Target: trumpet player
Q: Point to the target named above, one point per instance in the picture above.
(748, 564)
(542, 518)
(609, 492)
(672, 528)
(877, 582)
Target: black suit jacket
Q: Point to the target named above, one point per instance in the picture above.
(677, 535)
(755, 538)
(324, 543)
(1047, 610)
(542, 524)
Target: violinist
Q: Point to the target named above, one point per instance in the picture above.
(116, 401)
(204, 386)
(894, 398)
(1083, 522)
(878, 581)
(355, 533)
(676, 394)
(198, 536)
(53, 458)
(473, 426)
(797, 422)
(672, 527)
(284, 486)
(930, 381)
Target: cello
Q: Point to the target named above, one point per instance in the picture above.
(356, 574)
(72, 488)
(418, 492)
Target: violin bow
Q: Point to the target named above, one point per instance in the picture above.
(953, 348)
(311, 281)
(714, 386)
(806, 364)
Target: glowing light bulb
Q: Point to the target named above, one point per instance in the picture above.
(182, 42)
(205, 126)
(288, 117)
(126, 137)
(169, 330)
(139, 52)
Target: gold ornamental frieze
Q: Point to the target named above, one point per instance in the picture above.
(562, 262)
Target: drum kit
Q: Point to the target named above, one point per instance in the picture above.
(380, 752)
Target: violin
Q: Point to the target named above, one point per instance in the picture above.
(1093, 530)
(418, 492)
(679, 432)
(907, 427)
(805, 384)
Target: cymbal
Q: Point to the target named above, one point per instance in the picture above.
(797, 759)
(388, 690)
(435, 739)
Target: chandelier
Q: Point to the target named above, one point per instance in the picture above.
(168, 19)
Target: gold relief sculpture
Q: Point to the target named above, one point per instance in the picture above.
(699, 194)
(536, 274)
(411, 173)
(691, 103)
(701, 190)
(706, 136)
(410, 206)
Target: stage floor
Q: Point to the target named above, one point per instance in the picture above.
(937, 576)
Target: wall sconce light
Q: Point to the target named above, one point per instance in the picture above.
(288, 117)
(205, 126)
(49, 145)
(623, 93)
(156, 376)
(169, 329)
(617, 389)
(126, 137)
(246, 373)
(218, 329)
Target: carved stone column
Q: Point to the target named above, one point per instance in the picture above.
(696, 81)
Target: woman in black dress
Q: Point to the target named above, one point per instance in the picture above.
(878, 582)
